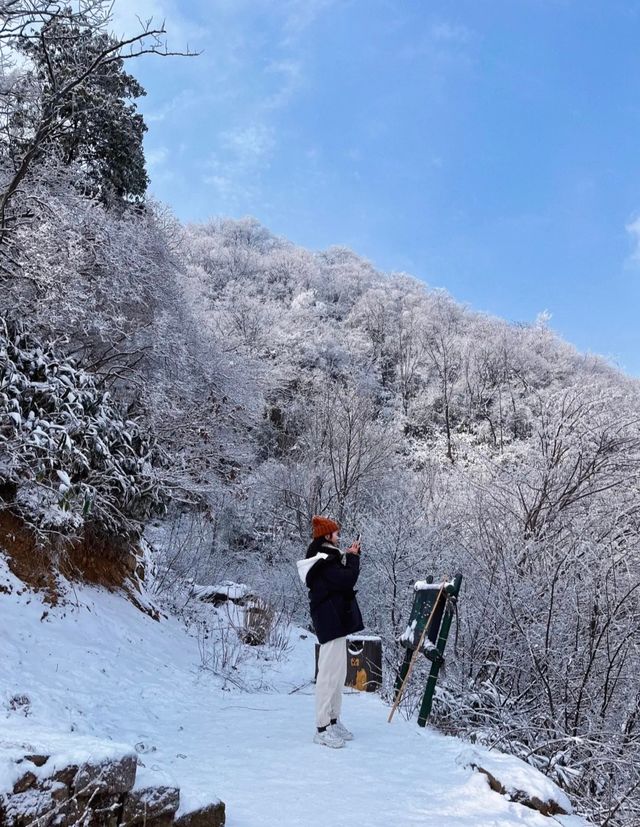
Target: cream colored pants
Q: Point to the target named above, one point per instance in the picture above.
(332, 672)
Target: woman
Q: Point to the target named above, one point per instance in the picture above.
(330, 577)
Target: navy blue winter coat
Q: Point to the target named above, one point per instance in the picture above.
(332, 599)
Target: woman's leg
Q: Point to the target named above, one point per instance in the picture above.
(332, 671)
(340, 676)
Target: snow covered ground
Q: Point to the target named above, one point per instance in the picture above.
(99, 667)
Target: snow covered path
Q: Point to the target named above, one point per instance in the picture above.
(389, 775)
(104, 669)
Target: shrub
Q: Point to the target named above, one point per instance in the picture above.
(70, 459)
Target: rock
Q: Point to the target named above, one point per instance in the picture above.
(59, 792)
(24, 783)
(237, 593)
(495, 785)
(66, 775)
(20, 703)
(546, 808)
(101, 792)
(26, 808)
(100, 810)
(160, 821)
(143, 805)
(72, 812)
(38, 760)
(115, 776)
(43, 805)
(95, 811)
(212, 815)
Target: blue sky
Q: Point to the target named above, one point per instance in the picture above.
(490, 147)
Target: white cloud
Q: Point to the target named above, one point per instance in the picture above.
(228, 189)
(300, 14)
(290, 74)
(249, 144)
(234, 170)
(156, 157)
(450, 32)
(633, 229)
(180, 102)
(443, 42)
(243, 80)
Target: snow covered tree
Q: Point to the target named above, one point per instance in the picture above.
(70, 460)
(63, 80)
(94, 124)
(442, 348)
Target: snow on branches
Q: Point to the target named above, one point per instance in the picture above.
(69, 457)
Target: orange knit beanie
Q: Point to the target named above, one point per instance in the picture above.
(323, 526)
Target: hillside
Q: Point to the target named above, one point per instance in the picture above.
(278, 383)
(96, 670)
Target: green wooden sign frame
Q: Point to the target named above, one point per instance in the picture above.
(438, 603)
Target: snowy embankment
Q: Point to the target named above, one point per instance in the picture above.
(99, 667)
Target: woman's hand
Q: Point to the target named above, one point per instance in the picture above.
(354, 548)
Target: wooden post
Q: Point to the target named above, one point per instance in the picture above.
(402, 674)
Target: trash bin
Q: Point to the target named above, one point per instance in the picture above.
(364, 662)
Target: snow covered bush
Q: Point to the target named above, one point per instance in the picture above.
(69, 456)
(548, 654)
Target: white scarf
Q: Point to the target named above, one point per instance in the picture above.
(305, 566)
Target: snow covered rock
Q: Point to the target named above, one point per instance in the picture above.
(150, 805)
(74, 779)
(518, 781)
(47, 804)
(113, 776)
(53, 778)
(212, 815)
(238, 593)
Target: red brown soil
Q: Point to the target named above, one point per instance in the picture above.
(29, 563)
(90, 559)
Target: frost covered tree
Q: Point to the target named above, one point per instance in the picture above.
(442, 348)
(96, 281)
(94, 122)
(452, 441)
(65, 94)
(71, 462)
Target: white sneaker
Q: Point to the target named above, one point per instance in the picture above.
(340, 730)
(328, 739)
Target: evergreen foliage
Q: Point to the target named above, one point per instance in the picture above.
(69, 457)
(93, 125)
